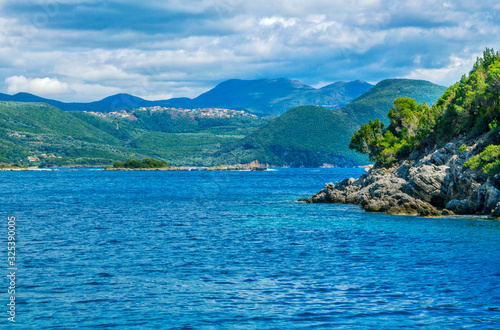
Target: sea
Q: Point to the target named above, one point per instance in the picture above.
(233, 250)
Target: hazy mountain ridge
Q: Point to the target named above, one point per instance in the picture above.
(303, 136)
(262, 97)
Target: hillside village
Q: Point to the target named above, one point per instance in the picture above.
(194, 113)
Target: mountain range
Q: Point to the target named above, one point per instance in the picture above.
(261, 97)
(303, 136)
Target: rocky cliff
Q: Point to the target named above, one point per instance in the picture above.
(430, 183)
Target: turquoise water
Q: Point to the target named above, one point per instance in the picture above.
(233, 250)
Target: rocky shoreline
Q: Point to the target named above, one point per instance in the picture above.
(433, 183)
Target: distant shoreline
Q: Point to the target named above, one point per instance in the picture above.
(193, 168)
(173, 168)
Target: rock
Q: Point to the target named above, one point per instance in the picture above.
(376, 205)
(403, 171)
(484, 199)
(446, 212)
(344, 183)
(426, 182)
(430, 183)
(459, 206)
(496, 211)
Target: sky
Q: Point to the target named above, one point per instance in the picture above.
(85, 50)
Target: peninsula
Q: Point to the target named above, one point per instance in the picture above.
(150, 164)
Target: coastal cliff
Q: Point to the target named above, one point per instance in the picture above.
(435, 183)
(430, 161)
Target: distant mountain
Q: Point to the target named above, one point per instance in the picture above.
(306, 136)
(262, 97)
(27, 97)
(98, 106)
(375, 103)
(302, 136)
(275, 96)
(311, 136)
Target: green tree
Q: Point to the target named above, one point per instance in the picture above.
(118, 164)
(366, 139)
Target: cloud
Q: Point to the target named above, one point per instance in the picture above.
(39, 86)
(182, 48)
(90, 92)
(451, 72)
(276, 20)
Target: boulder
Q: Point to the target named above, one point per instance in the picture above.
(426, 183)
(484, 199)
(496, 211)
(459, 206)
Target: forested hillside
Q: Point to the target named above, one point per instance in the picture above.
(314, 136)
(40, 134)
(470, 108)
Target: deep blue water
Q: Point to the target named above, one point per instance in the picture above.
(233, 250)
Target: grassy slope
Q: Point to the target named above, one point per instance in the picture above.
(45, 129)
(182, 149)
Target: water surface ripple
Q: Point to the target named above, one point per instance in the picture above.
(233, 250)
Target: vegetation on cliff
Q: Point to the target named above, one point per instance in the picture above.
(488, 161)
(469, 108)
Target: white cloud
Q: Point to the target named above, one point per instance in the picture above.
(38, 86)
(92, 71)
(276, 20)
(452, 72)
(209, 41)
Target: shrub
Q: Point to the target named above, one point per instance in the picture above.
(493, 124)
(487, 162)
(145, 163)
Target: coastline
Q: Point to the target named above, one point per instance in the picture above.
(193, 168)
(172, 168)
(432, 183)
